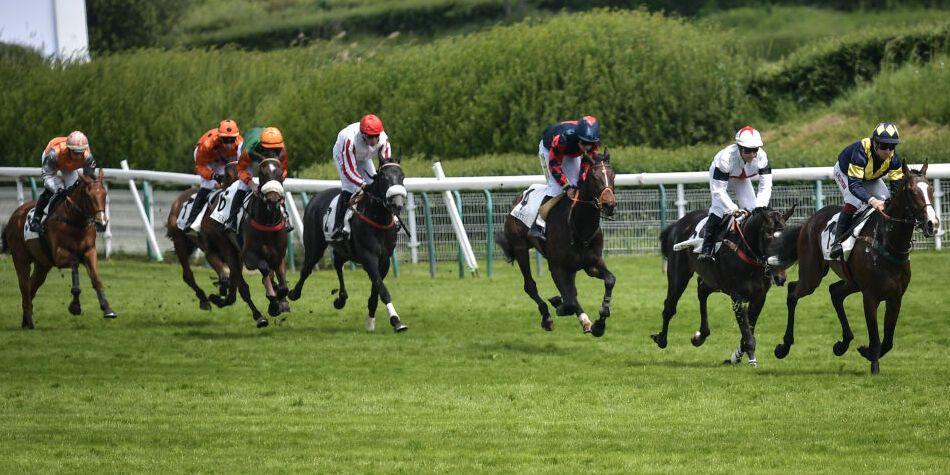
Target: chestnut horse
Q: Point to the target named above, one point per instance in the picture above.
(575, 242)
(69, 238)
(879, 265)
(186, 243)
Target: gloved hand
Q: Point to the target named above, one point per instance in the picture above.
(218, 178)
(571, 192)
(740, 213)
(877, 204)
(254, 187)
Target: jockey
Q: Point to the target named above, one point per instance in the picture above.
(732, 169)
(64, 155)
(860, 173)
(259, 144)
(561, 150)
(353, 152)
(214, 150)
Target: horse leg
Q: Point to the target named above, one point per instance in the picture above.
(238, 282)
(340, 300)
(703, 292)
(570, 303)
(187, 275)
(677, 278)
(531, 287)
(36, 280)
(747, 339)
(75, 307)
(753, 312)
(871, 352)
(282, 290)
(791, 301)
(891, 312)
(22, 265)
(91, 261)
(373, 270)
(599, 270)
(839, 291)
(312, 255)
(273, 307)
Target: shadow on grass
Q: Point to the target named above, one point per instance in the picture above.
(672, 363)
(545, 348)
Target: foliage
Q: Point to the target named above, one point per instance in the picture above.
(912, 93)
(116, 25)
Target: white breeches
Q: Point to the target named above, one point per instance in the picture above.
(743, 191)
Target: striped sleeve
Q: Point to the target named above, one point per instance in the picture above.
(349, 164)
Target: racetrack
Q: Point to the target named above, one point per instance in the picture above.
(474, 385)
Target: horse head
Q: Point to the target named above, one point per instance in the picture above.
(270, 169)
(598, 187)
(915, 195)
(230, 173)
(388, 188)
(89, 199)
(762, 228)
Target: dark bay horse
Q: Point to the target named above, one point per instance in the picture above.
(879, 265)
(68, 240)
(263, 245)
(740, 271)
(574, 242)
(186, 243)
(373, 231)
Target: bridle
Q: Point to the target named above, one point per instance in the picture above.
(88, 217)
(597, 204)
(900, 257)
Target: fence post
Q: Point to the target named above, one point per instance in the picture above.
(456, 220)
(938, 192)
(662, 206)
(19, 192)
(458, 206)
(430, 238)
(290, 252)
(149, 212)
(413, 242)
(305, 199)
(819, 196)
(33, 188)
(490, 232)
(680, 200)
(107, 235)
(149, 231)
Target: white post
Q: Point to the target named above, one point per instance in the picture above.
(457, 222)
(19, 192)
(413, 242)
(149, 232)
(294, 216)
(938, 192)
(107, 235)
(680, 200)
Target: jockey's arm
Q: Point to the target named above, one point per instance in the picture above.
(89, 165)
(894, 174)
(554, 166)
(244, 168)
(202, 163)
(719, 184)
(764, 193)
(283, 163)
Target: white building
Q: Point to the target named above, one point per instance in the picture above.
(53, 27)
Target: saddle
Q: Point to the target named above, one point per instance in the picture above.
(696, 238)
(847, 245)
(330, 214)
(185, 211)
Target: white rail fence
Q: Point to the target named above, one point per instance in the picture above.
(454, 218)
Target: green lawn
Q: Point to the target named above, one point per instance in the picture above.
(474, 385)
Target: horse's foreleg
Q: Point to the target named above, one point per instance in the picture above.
(237, 279)
(40, 272)
(531, 287)
(312, 255)
(571, 303)
(187, 275)
(273, 307)
(677, 278)
(599, 270)
(791, 301)
(22, 265)
(340, 300)
(703, 292)
(839, 291)
(747, 339)
(75, 307)
(872, 352)
(91, 261)
(374, 270)
(891, 312)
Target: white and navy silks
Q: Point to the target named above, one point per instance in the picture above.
(728, 172)
(354, 158)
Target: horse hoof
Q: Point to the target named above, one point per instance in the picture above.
(781, 350)
(75, 308)
(262, 322)
(204, 305)
(27, 326)
(397, 324)
(753, 363)
(282, 293)
(110, 314)
(370, 324)
(284, 306)
(875, 367)
(659, 339)
(339, 303)
(273, 308)
(293, 294)
(547, 324)
(697, 339)
(866, 353)
(600, 326)
(841, 348)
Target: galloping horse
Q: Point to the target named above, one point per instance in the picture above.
(879, 266)
(739, 272)
(373, 232)
(185, 244)
(69, 239)
(263, 237)
(574, 242)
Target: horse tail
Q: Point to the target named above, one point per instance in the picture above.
(505, 246)
(784, 250)
(3, 240)
(666, 245)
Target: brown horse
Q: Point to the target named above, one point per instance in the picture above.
(186, 243)
(574, 242)
(68, 240)
(739, 272)
(879, 266)
(263, 244)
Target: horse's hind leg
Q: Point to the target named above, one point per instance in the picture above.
(892, 311)
(747, 339)
(184, 258)
(677, 278)
(36, 280)
(75, 307)
(531, 287)
(839, 291)
(91, 260)
(237, 280)
(872, 352)
(565, 280)
(312, 255)
(703, 292)
(599, 270)
(340, 300)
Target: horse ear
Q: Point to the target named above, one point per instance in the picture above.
(904, 169)
(100, 174)
(788, 214)
(923, 170)
(606, 155)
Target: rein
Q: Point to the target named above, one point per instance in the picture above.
(85, 218)
(752, 260)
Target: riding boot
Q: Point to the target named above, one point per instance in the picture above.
(339, 234)
(841, 230)
(236, 203)
(41, 202)
(709, 241)
(539, 228)
(288, 224)
(200, 199)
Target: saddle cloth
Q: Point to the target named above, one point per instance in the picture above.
(527, 209)
(27, 234)
(186, 211)
(695, 240)
(828, 234)
(330, 214)
(223, 209)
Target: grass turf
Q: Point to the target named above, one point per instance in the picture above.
(474, 385)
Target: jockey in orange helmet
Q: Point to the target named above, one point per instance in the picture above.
(213, 151)
(259, 144)
(64, 155)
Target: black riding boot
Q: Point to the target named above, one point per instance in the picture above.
(342, 204)
(539, 226)
(841, 230)
(709, 241)
(41, 202)
(236, 203)
(200, 199)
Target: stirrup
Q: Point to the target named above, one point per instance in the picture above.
(836, 251)
(537, 232)
(340, 235)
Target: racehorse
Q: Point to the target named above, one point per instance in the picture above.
(575, 241)
(373, 232)
(68, 240)
(263, 244)
(740, 271)
(185, 244)
(879, 266)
